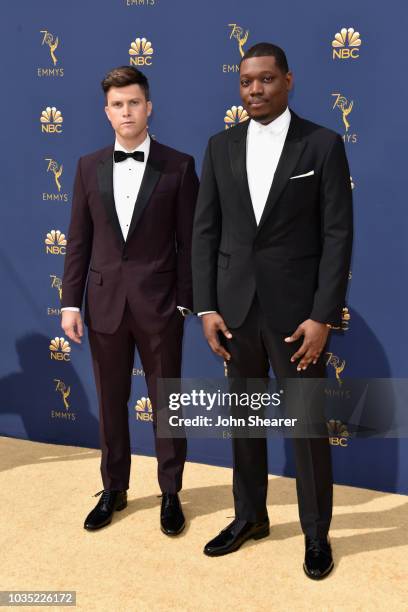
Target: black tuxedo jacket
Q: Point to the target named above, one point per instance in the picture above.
(297, 259)
(152, 268)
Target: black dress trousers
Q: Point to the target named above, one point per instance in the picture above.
(255, 347)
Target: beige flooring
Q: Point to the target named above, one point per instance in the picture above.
(46, 491)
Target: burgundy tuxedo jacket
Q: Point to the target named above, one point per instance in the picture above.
(152, 267)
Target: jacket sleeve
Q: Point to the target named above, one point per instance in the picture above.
(336, 234)
(79, 246)
(186, 203)
(206, 239)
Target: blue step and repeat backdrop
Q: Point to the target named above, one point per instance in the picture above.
(347, 62)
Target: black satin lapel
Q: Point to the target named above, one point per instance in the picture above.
(237, 151)
(291, 152)
(150, 179)
(105, 183)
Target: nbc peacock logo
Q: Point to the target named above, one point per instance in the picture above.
(51, 121)
(235, 115)
(141, 52)
(338, 433)
(60, 349)
(144, 410)
(55, 243)
(346, 44)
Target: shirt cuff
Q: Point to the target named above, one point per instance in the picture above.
(71, 308)
(184, 311)
(200, 314)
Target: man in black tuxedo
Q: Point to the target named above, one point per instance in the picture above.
(130, 237)
(271, 252)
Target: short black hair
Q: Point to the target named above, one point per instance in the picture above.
(125, 75)
(265, 49)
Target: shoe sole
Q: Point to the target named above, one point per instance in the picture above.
(258, 536)
(174, 533)
(118, 509)
(327, 572)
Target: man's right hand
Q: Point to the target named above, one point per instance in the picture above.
(212, 324)
(71, 323)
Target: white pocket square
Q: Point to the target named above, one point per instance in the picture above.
(301, 175)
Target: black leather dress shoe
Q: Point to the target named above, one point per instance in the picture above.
(101, 515)
(172, 520)
(318, 558)
(234, 535)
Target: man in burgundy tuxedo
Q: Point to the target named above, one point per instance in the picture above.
(130, 235)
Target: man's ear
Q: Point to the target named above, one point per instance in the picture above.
(149, 108)
(289, 78)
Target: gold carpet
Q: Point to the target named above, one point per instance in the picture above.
(46, 493)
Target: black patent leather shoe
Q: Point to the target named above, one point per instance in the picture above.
(101, 515)
(172, 521)
(234, 535)
(318, 558)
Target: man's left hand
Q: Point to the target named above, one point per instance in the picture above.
(315, 337)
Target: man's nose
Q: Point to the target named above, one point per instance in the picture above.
(256, 88)
(126, 110)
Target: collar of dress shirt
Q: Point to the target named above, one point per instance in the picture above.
(274, 127)
(144, 146)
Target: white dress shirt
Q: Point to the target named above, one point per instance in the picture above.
(127, 178)
(263, 149)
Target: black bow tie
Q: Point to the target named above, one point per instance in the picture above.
(119, 156)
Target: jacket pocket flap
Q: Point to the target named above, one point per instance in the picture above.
(95, 277)
(223, 260)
